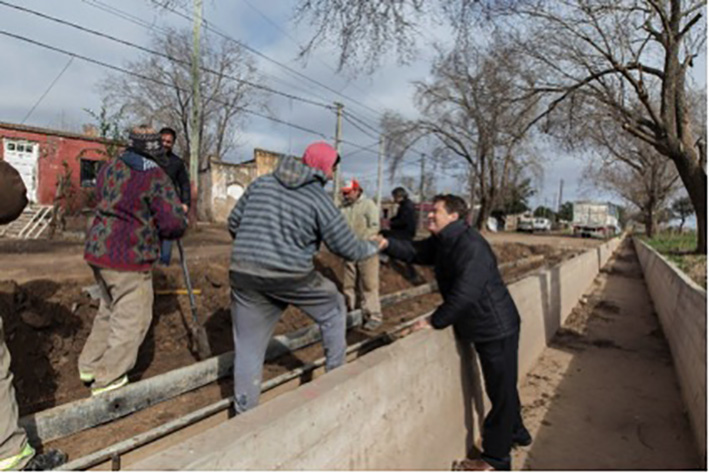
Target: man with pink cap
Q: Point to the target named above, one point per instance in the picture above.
(277, 226)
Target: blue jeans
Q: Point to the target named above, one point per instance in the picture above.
(165, 251)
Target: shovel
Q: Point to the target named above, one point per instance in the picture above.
(200, 342)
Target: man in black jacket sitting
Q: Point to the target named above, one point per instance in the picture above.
(478, 305)
(403, 225)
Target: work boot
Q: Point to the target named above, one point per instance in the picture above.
(522, 438)
(18, 461)
(371, 325)
(119, 383)
(86, 377)
(49, 460)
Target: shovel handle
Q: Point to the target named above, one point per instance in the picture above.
(188, 282)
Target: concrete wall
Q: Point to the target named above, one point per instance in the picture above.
(410, 405)
(681, 305)
(237, 176)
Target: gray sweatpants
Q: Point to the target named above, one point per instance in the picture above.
(254, 316)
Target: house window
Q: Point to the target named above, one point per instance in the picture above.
(88, 172)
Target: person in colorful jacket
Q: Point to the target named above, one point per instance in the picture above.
(137, 207)
(361, 278)
(16, 453)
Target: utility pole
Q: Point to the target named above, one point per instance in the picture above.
(561, 195)
(422, 186)
(338, 140)
(196, 100)
(380, 173)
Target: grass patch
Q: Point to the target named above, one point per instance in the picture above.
(678, 248)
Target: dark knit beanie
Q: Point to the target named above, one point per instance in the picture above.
(146, 141)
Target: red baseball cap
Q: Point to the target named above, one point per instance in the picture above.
(351, 185)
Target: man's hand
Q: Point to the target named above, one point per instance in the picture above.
(382, 242)
(419, 325)
(422, 325)
(185, 208)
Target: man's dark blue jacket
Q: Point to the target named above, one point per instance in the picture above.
(475, 298)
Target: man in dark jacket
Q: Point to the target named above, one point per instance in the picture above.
(277, 226)
(16, 452)
(176, 170)
(403, 224)
(478, 305)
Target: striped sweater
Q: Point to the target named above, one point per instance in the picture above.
(280, 221)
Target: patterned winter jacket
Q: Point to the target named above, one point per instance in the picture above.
(137, 207)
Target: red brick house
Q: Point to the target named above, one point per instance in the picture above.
(39, 155)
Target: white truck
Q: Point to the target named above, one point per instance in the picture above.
(595, 219)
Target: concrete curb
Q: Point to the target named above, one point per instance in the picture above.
(681, 306)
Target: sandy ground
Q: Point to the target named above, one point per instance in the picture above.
(604, 395)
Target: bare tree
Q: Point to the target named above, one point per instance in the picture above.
(625, 58)
(468, 109)
(365, 31)
(633, 170)
(160, 92)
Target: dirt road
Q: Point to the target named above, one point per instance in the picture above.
(26, 260)
(604, 395)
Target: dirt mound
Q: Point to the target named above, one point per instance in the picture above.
(46, 324)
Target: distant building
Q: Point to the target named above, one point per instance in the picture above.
(42, 155)
(230, 180)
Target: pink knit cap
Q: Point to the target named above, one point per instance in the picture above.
(320, 156)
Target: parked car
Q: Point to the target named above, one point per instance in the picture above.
(542, 225)
(525, 224)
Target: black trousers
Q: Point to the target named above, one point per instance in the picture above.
(498, 360)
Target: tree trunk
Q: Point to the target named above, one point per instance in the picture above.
(695, 181)
(484, 213)
(204, 199)
(649, 223)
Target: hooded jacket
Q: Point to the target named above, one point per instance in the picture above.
(279, 223)
(137, 207)
(475, 298)
(362, 216)
(13, 194)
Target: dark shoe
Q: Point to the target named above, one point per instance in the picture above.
(472, 465)
(49, 460)
(522, 438)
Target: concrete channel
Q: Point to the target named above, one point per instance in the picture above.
(402, 406)
(544, 298)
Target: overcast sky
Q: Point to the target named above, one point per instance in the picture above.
(265, 25)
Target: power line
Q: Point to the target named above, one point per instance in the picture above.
(215, 30)
(150, 79)
(51, 86)
(295, 41)
(161, 54)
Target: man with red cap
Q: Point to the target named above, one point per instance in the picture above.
(361, 278)
(277, 226)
